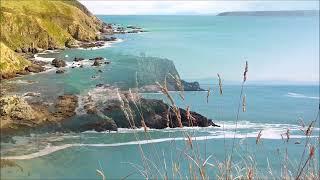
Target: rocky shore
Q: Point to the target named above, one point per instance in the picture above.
(105, 108)
(104, 36)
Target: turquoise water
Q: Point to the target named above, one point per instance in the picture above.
(200, 46)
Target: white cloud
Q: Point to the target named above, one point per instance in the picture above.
(190, 7)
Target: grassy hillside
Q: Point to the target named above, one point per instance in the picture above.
(41, 24)
(45, 24)
(11, 62)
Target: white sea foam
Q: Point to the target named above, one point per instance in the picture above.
(297, 95)
(227, 135)
(44, 59)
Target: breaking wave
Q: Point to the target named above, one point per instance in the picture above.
(297, 95)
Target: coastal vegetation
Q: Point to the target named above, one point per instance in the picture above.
(11, 62)
(33, 26)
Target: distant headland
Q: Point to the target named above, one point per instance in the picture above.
(271, 13)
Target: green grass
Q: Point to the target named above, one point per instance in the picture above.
(10, 62)
(39, 23)
(42, 24)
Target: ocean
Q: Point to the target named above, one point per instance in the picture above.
(277, 49)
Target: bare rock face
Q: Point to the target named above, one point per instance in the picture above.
(66, 106)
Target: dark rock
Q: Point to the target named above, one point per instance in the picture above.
(76, 59)
(109, 38)
(107, 62)
(97, 58)
(60, 71)
(100, 71)
(102, 125)
(81, 66)
(58, 63)
(133, 27)
(96, 63)
(155, 113)
(34, 50)
(100, 85)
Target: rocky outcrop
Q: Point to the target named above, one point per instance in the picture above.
(159, 115)
(127, 109)
(35, 68)
(16, 115)
(191, 86)
(96, 63)
(58, 63)
(20, 117)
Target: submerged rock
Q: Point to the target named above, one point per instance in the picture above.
(97, 58)
(76, 59)
(60, 71)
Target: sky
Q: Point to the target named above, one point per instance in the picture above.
(178, 7)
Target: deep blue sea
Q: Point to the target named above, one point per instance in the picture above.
(282, 89)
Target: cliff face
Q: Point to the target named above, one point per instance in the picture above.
(45, 24)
